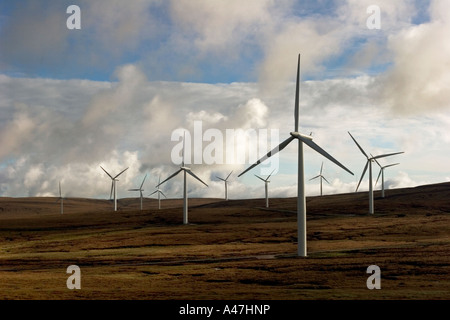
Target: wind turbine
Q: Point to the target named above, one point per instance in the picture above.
(382, 175)
(321, 177)
(159, 193)
(185, 196)
(226, 184)
(113, 186)
(301, 201)
(369, 164)
(139, 189)
(266, 183)
(61, 199)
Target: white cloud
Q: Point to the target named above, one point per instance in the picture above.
(17, 131)
(63, 127)
(61, 146)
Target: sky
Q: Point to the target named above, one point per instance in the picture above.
(120, 91)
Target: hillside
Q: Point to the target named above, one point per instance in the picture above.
(234, 249)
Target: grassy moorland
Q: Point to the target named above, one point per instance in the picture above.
(234, 249)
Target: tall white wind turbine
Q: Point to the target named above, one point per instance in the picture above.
(369, 164)
(61, 199)
(382, 175)
(321, 177)
(113, 185)
(302, 139)
(226, 184)
(185, 170)
(266, 184)
(140, 190)
(159, 193)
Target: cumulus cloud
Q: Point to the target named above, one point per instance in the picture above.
(124, 123)
(51, 128)
(17, 131)
(34, 37)
(55, 138)
(224, 27)
(418, 80)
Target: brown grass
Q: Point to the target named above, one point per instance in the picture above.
(231, 250)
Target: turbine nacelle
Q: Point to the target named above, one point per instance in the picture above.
(300, 136)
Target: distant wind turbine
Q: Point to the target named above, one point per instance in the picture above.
(185, 196)
(159, 193)
(369, 164)
(382, 175)
(226, 184)
(321, 177)
(266, 184)
(140, 190)
(113, 186)
(301, 201)
(61, 199)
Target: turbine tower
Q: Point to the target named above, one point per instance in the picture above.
(113, 186)
(302, 139)
(61, 199)
(321, 177)
(266, 184)
(382, 175)
(185, 170)
(159, 193)
(139, 189)
(226, 184)
(369, 164)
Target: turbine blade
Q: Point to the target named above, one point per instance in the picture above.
(162, 194)
(134, 189)
(184, 138)
(314, 178)
(173, 175)
(387, 155)
(321, 167)
(153, 193)
(193, 174)
(297, 95)
(315, 147)
(280, 147)
(260, 178)
(364, 153)
(270, 174)
(143, 181)
(362, 176)
(325, 179)
(379, 174)
(60, 189)
(112, 186)
(375, 160)
(220, 178)
(121, 172)
(107, 172)
(228, 175)
(390, 165)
